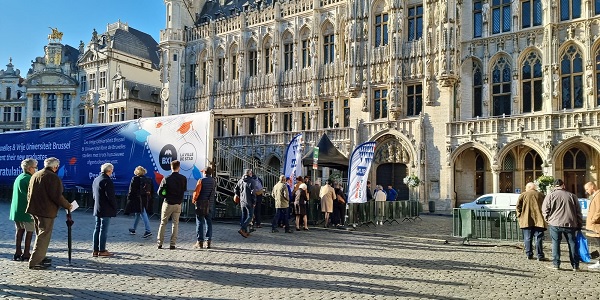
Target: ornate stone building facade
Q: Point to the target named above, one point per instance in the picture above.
(473, 96)
(118, 76)
(12, 98)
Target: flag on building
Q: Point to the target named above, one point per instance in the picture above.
(360, 164)
(292, 167)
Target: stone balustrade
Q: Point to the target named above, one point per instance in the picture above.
(171, 35)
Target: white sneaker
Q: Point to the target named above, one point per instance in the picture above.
(595, 266)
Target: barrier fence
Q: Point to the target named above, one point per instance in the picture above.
(486, 224)
(355, 214)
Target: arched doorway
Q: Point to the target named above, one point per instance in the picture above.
(574, 170)
(393, 174)
(275, 164)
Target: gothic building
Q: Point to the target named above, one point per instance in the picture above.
(12, 98)
(471, 96)
(118, 76)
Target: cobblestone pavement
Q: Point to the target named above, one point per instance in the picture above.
(402, 261)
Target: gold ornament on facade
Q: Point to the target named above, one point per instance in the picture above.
(55, 36)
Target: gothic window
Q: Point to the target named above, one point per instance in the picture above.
(571, 68)
(66, 99)
(192, 78)
(220, 69)
(574, 159)
(328, 114)
(415, 22)
(328, 49)
(531, 83)
(501, 87)
(509, 163)
(477, 91)
(501, 16)
(596, 7)
(288, 51)
(531, 13)
(306, 54)
(477, 18)
(267, 56)
(380, 104)
(533, 166)
(570, 9)
(381, 29)
(204, 71)
(346, 113)
(598, 76)
(252, 62)
(414, 99)
(234, 70)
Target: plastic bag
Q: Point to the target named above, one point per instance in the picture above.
(582, 247)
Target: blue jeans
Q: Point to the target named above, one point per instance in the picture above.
(247, 213)
(201, 234)
(144, 216)
(100, 233)
(281, 215)
(529, 234)
(570, 233)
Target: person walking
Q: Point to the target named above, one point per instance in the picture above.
(244, 190)
(300, 206)
(105, 207)
(281, 195)
(204, 201)
(258, 191)
(139, 200)
(44, 197)
(562, 212)
(592, 222)
(171, 189)
(531, 220)
(327, 195)
(23, 221)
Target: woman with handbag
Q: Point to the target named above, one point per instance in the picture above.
(139, 199)
(204, 201)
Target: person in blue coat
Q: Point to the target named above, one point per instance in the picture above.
(105, 207)
(391, 193)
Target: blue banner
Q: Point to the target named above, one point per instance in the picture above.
(360, 164)
(148, 142)
(292, 167)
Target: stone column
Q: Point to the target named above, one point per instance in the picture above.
(43, 108)
(495, 179)
(59, 107)
(28, 111)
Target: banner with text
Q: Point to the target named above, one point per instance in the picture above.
(360, 164)
(148, 142)
(292, 167)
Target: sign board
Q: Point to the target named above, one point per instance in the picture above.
(316, 158)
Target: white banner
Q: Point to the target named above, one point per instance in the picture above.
(360, 164)
(293, 159)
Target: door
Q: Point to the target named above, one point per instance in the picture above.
(506, 182)
(574, 181)
(393, 174)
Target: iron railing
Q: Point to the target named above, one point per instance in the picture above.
(486, 224)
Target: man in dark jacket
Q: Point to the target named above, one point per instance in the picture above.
(204, 199)
(44, 196)
(105, 207)
(531, 221)
(171, 189)
(245, 191)
(562, 211)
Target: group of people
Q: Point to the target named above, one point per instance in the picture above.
(560, 212)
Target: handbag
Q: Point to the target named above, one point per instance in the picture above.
(582, 247)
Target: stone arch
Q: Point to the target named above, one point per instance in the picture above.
(508, 147)
(267, 41)
(567, 44)
(252, 44)
(572, 142)
(401, 137)
(305, 32)
(287, 36)
(327, 27)
(523, 55)
(379, 6)
(469, 145)
(220, 53)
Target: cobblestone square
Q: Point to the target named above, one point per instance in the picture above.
(409, 260)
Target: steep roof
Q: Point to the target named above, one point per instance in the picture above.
(135, 42)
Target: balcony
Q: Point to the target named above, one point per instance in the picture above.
(171, 35)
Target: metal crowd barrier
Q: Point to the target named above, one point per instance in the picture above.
(382, 212)
(486, 224)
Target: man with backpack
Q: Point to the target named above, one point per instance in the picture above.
(244, 190)
(204, 200)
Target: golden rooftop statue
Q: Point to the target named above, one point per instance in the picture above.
(55, 35)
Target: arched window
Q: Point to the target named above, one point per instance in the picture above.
(381, 24)
(571, 68)
(252, 59)
(233, 57)
(288, 51)
(501, 87)
(328, 44)
(305, 36)
(531, 75)
(575, 171)
(221, 65)
(598, 74)
(477, 90)
(533, 166)
(267, 55)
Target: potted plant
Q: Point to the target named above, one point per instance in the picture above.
(544, 183)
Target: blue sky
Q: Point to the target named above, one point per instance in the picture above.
(24, 24)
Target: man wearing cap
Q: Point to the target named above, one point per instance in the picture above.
(562, 211)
